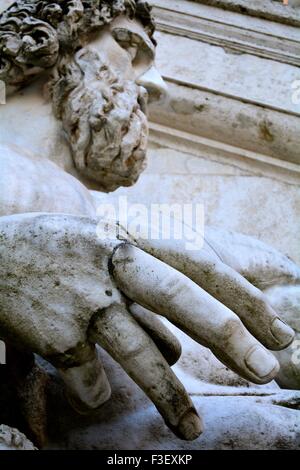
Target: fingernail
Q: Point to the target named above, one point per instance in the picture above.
(282, 332)
(190, 426)
(262, 363)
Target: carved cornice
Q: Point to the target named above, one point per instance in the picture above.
(273, 10)
(252, 162)
(230, 30)
(229, 121)
(226, 102)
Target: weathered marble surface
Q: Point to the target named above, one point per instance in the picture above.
(274, 9)
(228, 425)
(12, 439)
(238, 417)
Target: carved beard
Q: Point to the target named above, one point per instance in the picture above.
(103, 118)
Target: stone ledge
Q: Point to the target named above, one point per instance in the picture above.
(267, 9)
(230, 30)
(244, 161)
(244, 126)
(241, 98)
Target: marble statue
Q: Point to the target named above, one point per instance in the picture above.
(12, 439)
(77, 77)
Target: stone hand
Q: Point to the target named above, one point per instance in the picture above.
(68, 282)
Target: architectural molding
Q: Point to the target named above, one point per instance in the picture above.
(230, 120)
(230, 80)
(230, 30)
(231, 96)
(252, 162)
(273, 10)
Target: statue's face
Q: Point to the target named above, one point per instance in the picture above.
(104, 116)
(129, 51)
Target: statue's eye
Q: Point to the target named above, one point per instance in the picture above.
(140, 50)
(129, 41)
(131, 49)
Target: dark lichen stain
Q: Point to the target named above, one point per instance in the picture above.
(199, 107)
(244, 120)
(265, 131)
(230, 50)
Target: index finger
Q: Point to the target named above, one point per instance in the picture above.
(155, 285)
(228, 287)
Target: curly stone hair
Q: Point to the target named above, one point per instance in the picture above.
(35, 33)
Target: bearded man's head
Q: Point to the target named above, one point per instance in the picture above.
(102, 111)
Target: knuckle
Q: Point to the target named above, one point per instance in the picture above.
(174, 286)
(229, 327)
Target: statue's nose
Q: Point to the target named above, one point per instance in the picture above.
(154, 84)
